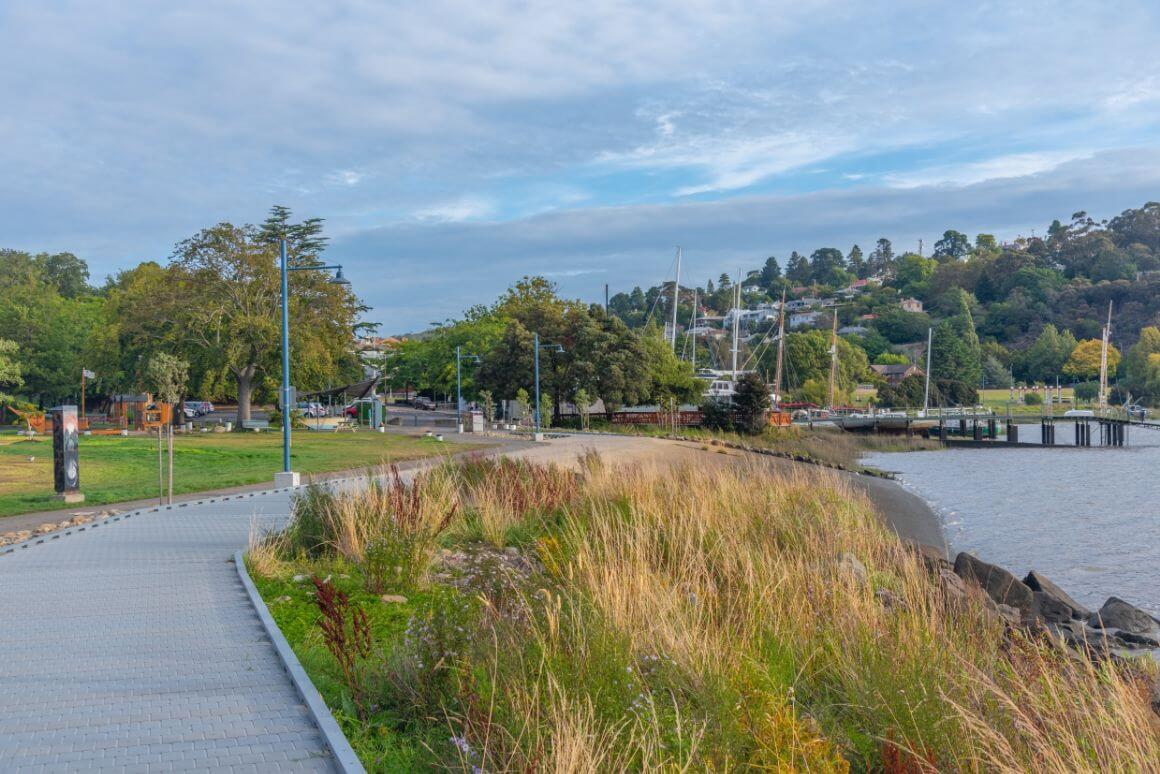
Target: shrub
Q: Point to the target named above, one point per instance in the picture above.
(751, 404)
(347, 636)
(1087, 392)
(716, 414)
(1032, 399)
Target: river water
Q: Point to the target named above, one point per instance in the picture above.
(1089, 519)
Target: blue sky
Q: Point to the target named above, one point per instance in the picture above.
(454, 146)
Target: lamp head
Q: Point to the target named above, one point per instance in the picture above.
(339, 279)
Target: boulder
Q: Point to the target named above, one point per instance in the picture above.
(850, 564)
(1133, 640)
(932, 558)
(1118, 614)
(1000, 585)
(889, 600)
(393, 599)
(1036, 582)
(1048, 608)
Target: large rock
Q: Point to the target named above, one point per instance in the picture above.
(1118, 614)
(1037, 582)
(1047, 608)
(1000, 585)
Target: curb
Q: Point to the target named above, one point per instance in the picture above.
(344, 755)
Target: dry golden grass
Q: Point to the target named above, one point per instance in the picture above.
(728, 616)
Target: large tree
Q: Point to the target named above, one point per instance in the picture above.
(954, 246)
(955, 351)
(227, 308)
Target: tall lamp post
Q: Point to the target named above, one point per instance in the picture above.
(288, 477)
(539, 436)
(459, 385)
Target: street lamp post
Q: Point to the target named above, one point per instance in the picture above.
(459, 385)
(288, 477)
(539, 436)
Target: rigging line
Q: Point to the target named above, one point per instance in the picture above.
(660, 292)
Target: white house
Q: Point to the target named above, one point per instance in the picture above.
(804, 319)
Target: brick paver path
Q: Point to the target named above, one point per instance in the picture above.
(133, 647)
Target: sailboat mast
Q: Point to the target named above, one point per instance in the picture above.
(926, 389)
(780, 352)
(693, 329)
(736, 321)
(676, 294)
(1104, 360)
(833, 357)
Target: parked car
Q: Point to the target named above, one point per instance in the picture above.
(199, 407)
(425, 404)
(312, 409)
(1137, 411)
(1079, 413)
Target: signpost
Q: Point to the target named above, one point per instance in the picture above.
(65, 463)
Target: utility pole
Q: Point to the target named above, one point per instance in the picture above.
(676, 296)
(606, 298)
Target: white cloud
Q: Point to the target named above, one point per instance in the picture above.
(346, 177)
(998, 168)
(456, 210)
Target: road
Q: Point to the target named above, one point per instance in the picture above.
(133, 646)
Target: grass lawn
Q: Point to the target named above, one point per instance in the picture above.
(117, 469)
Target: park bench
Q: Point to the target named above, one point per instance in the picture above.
(257, 425)
(346, 423)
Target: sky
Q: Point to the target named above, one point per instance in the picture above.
(454, 146)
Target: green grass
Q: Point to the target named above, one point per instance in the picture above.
(385, 741)
(117, 469)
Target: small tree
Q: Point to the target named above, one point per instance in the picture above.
(751, 404)
(716, 414)
(546, 407)
(487, 403)
(524, 404)
(582, 402)
(166, 375)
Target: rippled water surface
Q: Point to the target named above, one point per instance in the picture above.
(1087, 518)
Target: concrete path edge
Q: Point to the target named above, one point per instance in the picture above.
(344, 755)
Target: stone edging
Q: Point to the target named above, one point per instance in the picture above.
(344, 755)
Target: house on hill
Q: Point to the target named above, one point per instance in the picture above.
(911, 305)
(894, 374)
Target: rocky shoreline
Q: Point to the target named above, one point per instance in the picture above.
(1037, 604)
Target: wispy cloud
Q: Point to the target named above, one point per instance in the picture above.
(456, 210)
(998, 168)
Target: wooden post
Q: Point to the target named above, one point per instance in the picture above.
(160, 470)
(170, 434)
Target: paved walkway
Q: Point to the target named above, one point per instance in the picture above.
(132, 646)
